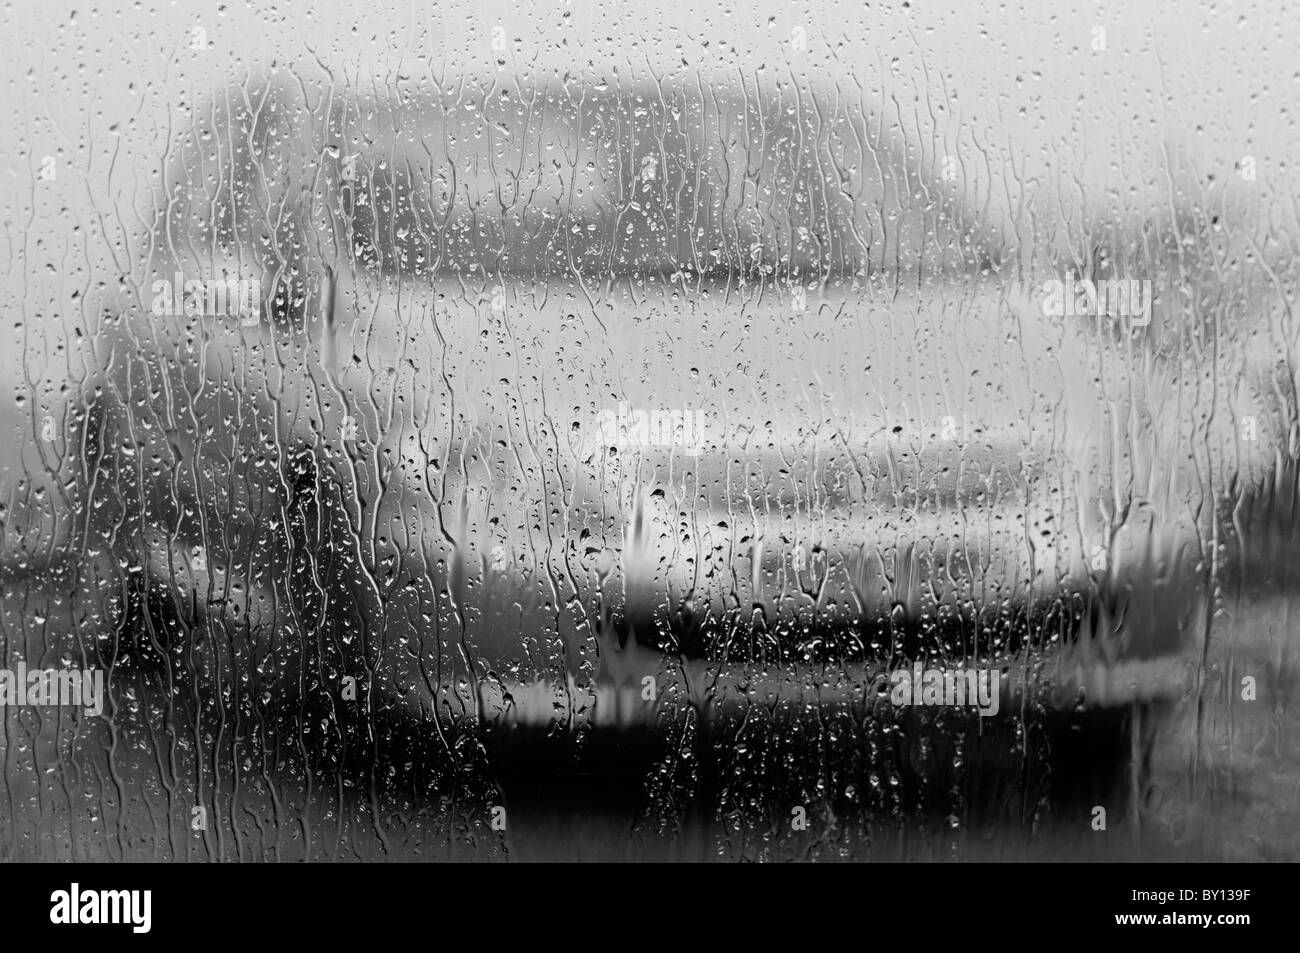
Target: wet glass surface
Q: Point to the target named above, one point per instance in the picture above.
(546, 432)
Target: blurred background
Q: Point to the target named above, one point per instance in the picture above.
(1095, 113)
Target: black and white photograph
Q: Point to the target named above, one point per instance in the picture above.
(658, 433)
